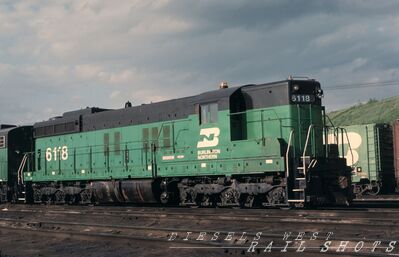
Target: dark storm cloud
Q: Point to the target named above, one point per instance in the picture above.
(58, 56)
(218, 15)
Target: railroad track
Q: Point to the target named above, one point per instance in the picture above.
(162, 236)
(157, 225)
(323, 218)
(329, 219)
(332, 213)
(377, 202)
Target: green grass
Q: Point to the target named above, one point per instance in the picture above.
(374, 111)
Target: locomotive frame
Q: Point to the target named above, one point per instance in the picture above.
(253, 145)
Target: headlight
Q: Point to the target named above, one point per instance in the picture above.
(319, 93)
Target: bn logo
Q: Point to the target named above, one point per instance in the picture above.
(355, 141)
(210, 137)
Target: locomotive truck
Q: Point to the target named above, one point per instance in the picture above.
(252, 145)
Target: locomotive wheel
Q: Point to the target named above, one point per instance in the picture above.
(37, 196)
(192, 195)
(275, 196)
(374, 188)
(204, 200)
(71, 198)
(85, 196)
(358, 190)
(188, 196)
(47, 199)
(59, 197)
(230, 197)
(247, 201)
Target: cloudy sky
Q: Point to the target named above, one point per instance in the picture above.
(62, 55)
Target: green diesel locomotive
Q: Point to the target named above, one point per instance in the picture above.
(252, 145)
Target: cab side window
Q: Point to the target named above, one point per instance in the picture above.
(209, 113)
(2, 141)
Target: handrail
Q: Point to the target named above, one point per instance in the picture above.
(307, 140)
(306, 147)
(328, 117)
(287, 153)
(349, 144)
(21, 168)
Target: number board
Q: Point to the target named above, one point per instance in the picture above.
(60, 153)
(303, 98)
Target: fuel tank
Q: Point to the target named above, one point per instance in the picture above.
(126, 191)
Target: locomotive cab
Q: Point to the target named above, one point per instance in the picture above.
(280, 129)
(14, 143)
(291, 111)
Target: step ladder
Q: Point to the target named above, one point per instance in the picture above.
(297, 196)
(298, 191)
(21, 197)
